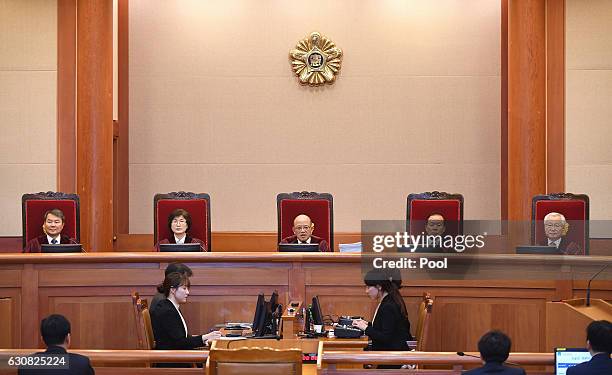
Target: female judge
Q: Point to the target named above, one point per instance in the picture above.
(53, 224)
(390, 327)
(169, 326)
(179, 223)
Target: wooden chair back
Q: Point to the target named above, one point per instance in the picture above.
(144, 328)
(422, 328)
(254, 361)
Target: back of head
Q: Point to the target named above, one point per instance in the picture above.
(599, 334)
(494, 346)
(54, 329)
(178, 267)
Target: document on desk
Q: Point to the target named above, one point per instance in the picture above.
(224, 338)
(350, 247)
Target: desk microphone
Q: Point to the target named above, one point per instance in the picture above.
(462, 354)
(588, 292)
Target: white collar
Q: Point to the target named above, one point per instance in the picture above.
(176, 305)
(554, 243)
(307, 241)
(58, 238)
(181, 241)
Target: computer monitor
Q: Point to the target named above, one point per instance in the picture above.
(317, 316)
(298, 247)
(537, 249)
(274, 302)
(568, 357)
(179, 247)
(259, 310)
(61, 248)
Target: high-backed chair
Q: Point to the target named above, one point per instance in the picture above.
(144, 328)
(422, 328)
(420, 206)
(575, 208)
(34, 206)
(254, 361)
(318, 206)
(198, 206)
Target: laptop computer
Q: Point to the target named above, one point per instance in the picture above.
(61, 248)
(298, 247)
(180, 247)
(568, 357)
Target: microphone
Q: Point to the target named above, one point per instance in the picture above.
(588, 292)
(462, 354)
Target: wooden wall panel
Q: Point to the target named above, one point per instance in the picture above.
(66, 96)
(6, 320)
(458, 323)
(95, 294)
(97, 322)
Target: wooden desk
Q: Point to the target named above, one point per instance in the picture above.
(93, 291)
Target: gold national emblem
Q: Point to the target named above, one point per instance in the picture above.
(316, 60)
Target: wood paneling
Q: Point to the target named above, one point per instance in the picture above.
(93, 291)
(555, 96)
(6, 321)
(66, 96)
(504, 110)
(526, 105)
(94, 122)
(226, 241)
(121, 192)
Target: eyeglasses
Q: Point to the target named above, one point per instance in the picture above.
(554, 225)
(179, 221)
(302, 227)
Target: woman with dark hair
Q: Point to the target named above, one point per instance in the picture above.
(169, 327)
(390, 327)
(179, 223)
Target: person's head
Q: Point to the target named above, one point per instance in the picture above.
(54, 221)
(380, 281)
(175, 287)
(435, 225)
(555, 226)
(178, 267)
(55, 330)
(599, 336)
(179, 221)
(303, 227)
(494, 346)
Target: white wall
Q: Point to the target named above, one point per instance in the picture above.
(28, 71)
(214, 107)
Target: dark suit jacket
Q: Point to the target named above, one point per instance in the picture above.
(33, 246)
(497, 369)
(188, 239)
(169, 331)
(566, 247)
(155, 301)
(78, 364)
(323, 245)
(389, 330)
(600, 364)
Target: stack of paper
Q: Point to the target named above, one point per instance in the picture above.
(350, 247)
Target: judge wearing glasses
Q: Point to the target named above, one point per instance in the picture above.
(179, 223)
(302, 233)
(556, 228)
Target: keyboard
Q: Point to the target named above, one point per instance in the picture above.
(346, 332)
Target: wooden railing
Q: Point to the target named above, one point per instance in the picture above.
(125, 357)
(329, 360)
